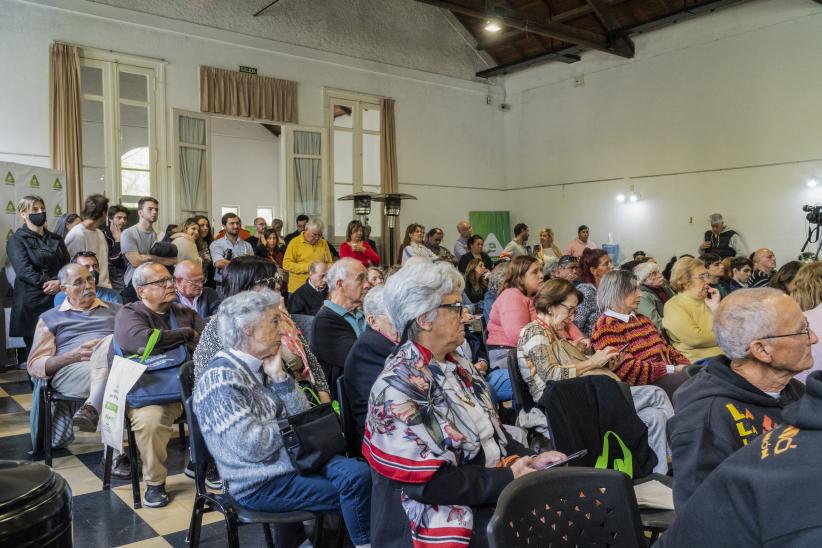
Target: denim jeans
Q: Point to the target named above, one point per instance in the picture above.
(342, 485)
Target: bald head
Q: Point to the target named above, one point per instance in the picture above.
(764, 260)
(464, 228)
(189, 279)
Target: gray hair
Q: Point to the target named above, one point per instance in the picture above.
(614, 287)
(549, 265)
(643, 270)
(374, 303)
(139, 277)
(315, 224)
(65, 272)
(417, 290)
(743, 317)
(715, 218)
(240, 311)
(496, 276)
(339, 271)
(314, 266)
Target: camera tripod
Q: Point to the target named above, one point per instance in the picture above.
(813, 238)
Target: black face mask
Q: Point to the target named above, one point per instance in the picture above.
(37, 219)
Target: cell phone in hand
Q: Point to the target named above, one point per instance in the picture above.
(567, 459)
(621, 350)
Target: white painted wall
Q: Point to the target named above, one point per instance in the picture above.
(737, 89)
(245, 167)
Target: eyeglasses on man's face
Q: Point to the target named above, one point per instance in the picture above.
(199, 282)
(162, 282)
(806, 331)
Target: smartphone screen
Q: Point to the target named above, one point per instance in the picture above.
(567, 459)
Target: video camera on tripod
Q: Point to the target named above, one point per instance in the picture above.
(813, 214)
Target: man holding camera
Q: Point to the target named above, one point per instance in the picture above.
(721, 240)
(229, 246)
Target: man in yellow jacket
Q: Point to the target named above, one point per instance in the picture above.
(304, 249)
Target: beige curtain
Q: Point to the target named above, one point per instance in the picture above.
(389, 180)
(247, 95)
(65, 123)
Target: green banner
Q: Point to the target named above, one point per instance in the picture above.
(494, 227)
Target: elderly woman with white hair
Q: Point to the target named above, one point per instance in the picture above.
(433, 438)
(366, 359)
(654, 292)
(240, 397)
(646, 357)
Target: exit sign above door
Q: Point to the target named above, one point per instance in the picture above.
(248, 70)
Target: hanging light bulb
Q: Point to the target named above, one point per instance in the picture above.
(492, 25)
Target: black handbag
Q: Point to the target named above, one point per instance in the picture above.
(312, 437)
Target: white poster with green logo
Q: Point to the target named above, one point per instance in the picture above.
(495, 229)
(18, 180)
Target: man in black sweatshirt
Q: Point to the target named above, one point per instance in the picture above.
(765, 494)
(767, 341)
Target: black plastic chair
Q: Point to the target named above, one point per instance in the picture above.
(235, 514)
(349, 425)
(133, 456)
(567, 507)
(47, 396)
(522, 395)
(305, 324)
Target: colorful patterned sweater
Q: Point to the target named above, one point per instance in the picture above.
(647, 353)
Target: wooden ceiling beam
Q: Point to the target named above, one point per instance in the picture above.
(584, 9)
(609, 21)
(550, 29)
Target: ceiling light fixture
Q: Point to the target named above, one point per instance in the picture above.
(492, 25)
(620, 198)
(812, 183)
(633, 197)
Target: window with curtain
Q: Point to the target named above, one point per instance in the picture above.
(307, 174)
(193, 169)
(355, 145)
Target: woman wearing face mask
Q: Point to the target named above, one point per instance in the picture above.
(36, 255)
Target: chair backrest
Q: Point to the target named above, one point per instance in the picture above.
(349, 425)
(304, 323)
(522, 395)
(186, 380)
(199, 451)
(567, 507)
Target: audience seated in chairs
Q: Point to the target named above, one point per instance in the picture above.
(688, 318)
(191, 290)
(433, 241)
(439, 455)
(238, 400)
(593, 265)
(475, 251)
(545, 354)
(67, 349)
(309, 298)
(764, 267)
(89, 260)
(179, 326)
(740, 271)
(761, 495)
(340, 321)
(654, 292)
(513, 308)
(476, 281)
(257, 274)
(646, 357)
(355, 246)
(366, 359)
(736, 397)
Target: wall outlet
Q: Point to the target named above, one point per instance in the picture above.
(579, 81)
(489, 100)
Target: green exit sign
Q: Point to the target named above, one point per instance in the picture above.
(248, 70)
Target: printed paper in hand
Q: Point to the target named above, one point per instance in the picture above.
(122, 377)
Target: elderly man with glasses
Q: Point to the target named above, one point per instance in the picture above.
(766, 340)
(179, 326)
(191, 292)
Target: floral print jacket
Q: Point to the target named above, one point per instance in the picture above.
(418, 420)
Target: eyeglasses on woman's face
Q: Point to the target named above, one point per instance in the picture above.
(456, 307)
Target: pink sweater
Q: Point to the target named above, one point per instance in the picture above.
(511, 311)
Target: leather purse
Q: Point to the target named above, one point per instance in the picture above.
(312, 438)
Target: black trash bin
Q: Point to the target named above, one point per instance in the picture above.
(35, 506)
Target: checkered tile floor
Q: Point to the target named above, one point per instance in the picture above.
(107, 518)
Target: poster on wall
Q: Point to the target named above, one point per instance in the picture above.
(18, 180)
(494, 227)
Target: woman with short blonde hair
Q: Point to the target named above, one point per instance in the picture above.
(688, 317)
(807, 292)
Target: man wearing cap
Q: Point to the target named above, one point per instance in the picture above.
(721, 240)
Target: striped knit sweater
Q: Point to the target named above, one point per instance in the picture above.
(647, 354)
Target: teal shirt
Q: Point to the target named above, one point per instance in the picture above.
(356, 319)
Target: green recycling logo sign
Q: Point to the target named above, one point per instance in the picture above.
(10, 207)
(58, 210)
(9, 178)
(57, 185)
(34, 182)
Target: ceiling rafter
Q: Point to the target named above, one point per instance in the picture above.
(609, 21)
(549, 29)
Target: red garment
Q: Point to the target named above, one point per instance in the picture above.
(647, 354)
(367, 256)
